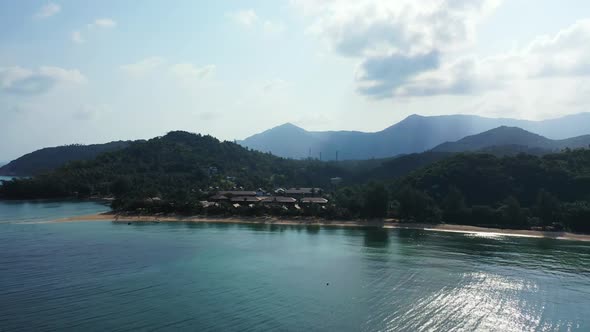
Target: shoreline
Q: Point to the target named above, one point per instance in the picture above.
(388, 224)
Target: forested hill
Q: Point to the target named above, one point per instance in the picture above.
(178, 165)
(512, 137)
(516, 191)
(50, 158)
(182, 165)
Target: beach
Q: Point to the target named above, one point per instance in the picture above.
(388, 224)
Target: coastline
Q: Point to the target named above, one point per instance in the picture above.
(388, 224)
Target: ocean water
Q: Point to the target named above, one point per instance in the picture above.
(102, 276)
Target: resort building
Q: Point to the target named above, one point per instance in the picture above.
(282, 197)
(234, 193)
(313, 200)
(303, 192)
(278, 200)
(218, 198)
(245, 199)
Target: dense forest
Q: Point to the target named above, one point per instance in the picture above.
(515, 191)
(181, 169)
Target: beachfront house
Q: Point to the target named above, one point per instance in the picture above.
(233, 196)
(303, 192)
(245, 199)
(235, 193)
(219, 198)
(278, 200)
(313, 200)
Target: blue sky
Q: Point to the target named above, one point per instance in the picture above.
(89, 72)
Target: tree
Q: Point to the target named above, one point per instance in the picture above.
(376, 201)
(454, 206)
(512, 213)
(576, 216)
(547, 207)
(416, 205)
(121, 186)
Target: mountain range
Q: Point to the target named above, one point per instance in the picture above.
(413, 134)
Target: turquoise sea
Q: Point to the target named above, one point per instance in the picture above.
(102, 276)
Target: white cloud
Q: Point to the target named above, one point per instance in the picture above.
(77, 37)
(180, 71)
(24, 81)
(246, 17)
(274, 85)
(48, 10)
(90, 112)
(144, 66)
(63, 75)
(410, 48)
(208, 116)
(565, 54)
(377, 27)
(395, 40)
(103, 23)
(190, 71)
(273, 27)
(99, 23)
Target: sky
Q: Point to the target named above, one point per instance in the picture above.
(92, 72)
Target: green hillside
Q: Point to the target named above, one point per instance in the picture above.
(177, 165)
(514, 191)
(47, 159)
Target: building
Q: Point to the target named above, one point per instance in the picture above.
(303, 192)
(313, 200)
(234, 193)
(279, 200)
(245, 199)
(224, 196)
(207, 204)
(218, 198)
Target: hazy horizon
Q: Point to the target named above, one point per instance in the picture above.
(74, 72)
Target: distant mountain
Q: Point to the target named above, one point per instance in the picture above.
(512, 138)
(50, 158)
(413, 134)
